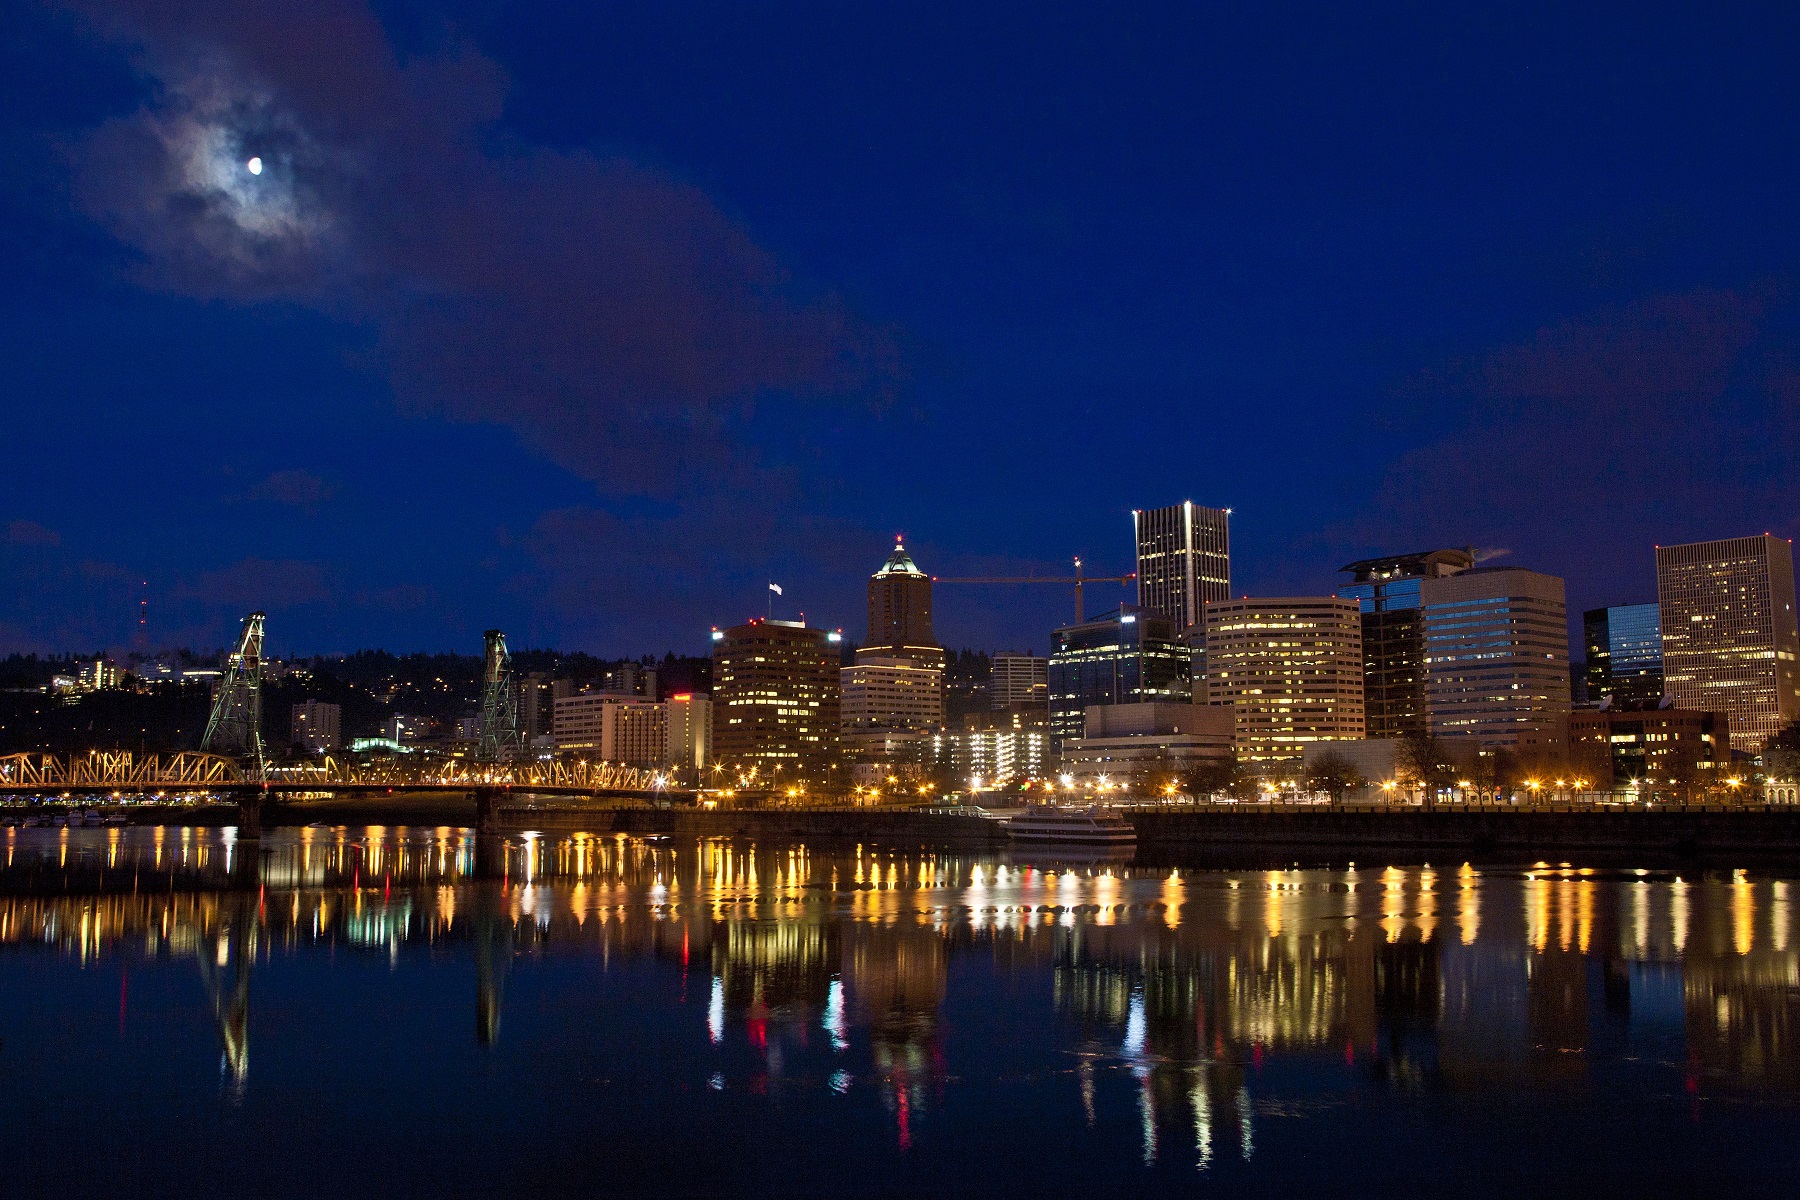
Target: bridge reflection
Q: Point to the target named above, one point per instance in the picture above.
(1170, 990)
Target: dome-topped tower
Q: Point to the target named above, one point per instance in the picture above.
(900, 612)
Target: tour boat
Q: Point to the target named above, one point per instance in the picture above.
(1091, 825)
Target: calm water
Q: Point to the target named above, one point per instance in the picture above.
(402, 1012)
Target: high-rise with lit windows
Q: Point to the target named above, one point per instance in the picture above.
(900, 613)
(1497, 658)
(1183, 560)
(1729, 635)
(1290, 668)
(775, 699)
(1390, 593)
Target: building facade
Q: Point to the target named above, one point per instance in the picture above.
(1389, 592)
(1155, 745)
(1126, 656)
(620, 729)
(900, 613)
(995, 756)
(1729, 634)
(1291, 670)
(318, 727)
(881, 697)
(1624, 654)
(775, 698)
(689, 721)
(1183, 560)
(1018, 679)
(1497, 658)
(1641, 747)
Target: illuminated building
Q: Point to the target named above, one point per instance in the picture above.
(1497, 657)
(998, 754)
(881, 697)
(97, 676)
(1128, 655)
(1638, 745)
(1183, 560)
(775, 696)
(1624, 653)
(900, 613)
(1728, 632)
(689, 721)
(1138, 742)
(1291, 670)
(1390, 593)
(1018, 679)
(622, 729)
(537, 705)
(317, 727)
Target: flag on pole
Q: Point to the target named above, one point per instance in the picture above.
(776, 588)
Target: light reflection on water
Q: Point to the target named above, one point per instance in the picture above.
(933, 1011)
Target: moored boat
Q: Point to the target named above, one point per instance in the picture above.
(1093, 826)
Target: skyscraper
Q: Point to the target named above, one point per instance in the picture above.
(1497, 658)
(1123, 657)
(1183, 560)
(900, 613)
(1291, 669)
(1728, 632)
(1388, 591)
(775, 698)
(1624, 653)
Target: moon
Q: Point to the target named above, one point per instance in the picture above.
(255, 166)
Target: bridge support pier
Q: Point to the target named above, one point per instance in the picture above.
(484, 798)
(250, 806)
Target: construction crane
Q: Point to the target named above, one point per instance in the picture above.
(1078, 579)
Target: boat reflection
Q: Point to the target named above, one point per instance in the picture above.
(813, 966)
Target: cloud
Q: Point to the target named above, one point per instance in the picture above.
(297, 489)
(259, 583)
(30, 533)
(611, 315)
(1593, 440)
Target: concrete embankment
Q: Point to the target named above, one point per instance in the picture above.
(1534, 832)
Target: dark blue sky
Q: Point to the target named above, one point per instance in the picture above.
(587, 320)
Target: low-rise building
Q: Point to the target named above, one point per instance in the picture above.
(1156, 741)
(1647, 748)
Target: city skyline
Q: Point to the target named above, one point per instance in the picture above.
(1478, 326)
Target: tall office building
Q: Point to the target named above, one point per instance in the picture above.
(537, 705)
(689, 720)
(1624, 654)
(1183, 560)
(880, 698)
(1015, 679)
(1497, 658)
(1290, 668)
(1123, 657)
(1728, 632)
(1388, 591)
(317, 726)
(775, 698)
(900, 613)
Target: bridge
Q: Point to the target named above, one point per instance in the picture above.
(232, 764)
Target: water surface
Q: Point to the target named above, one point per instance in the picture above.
(409, 1012)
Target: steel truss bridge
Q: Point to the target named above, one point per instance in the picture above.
(121, 770)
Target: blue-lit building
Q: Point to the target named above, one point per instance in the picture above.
(1127, 656)
(1624, 654)
(1388, 591)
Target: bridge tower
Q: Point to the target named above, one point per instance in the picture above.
(499, 703)
(235, 727)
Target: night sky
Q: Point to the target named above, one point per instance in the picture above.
(588, 320)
